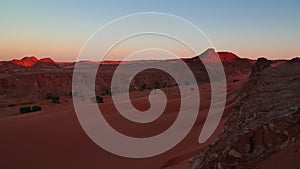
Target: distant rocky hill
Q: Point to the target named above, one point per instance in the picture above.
(30, 78)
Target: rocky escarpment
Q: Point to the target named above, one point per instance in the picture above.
(30, 78)
(266, 120)
(33, 85)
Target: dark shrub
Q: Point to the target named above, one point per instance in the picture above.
(156, 85)
(55, 99)
(24, 110)
(36, 108)
(72, 94)
(97, 99)
(11, 105)
(143, 87)
(107, 91)
(49, 96)
(165, 84)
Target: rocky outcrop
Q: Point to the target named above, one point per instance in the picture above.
(233, 65)
(295, 60)
(47, 60)
(30, 78)
(260, 65)
(265, 121)
(26, 61)
(34, 85)
(228, 57)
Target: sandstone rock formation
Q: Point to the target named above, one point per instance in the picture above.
(266, 120)
(30, 78)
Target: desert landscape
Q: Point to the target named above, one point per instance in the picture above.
(260, 125)
(128, 84)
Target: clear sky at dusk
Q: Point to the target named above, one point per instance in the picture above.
(60, 28)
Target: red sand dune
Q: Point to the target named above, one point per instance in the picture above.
(53, 138)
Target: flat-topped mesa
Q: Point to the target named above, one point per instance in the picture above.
(210, 55)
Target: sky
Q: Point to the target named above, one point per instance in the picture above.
(59, 28)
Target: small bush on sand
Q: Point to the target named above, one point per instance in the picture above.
(24, 110)
(97, 99)
(164, 85)
(72, 94)
(143, 87)
(36, 108)
(49, 96)
(27, 109)
(55, 99)
(107, 91)
(156, 85)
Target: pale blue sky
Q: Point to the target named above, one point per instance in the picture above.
(60, 28)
